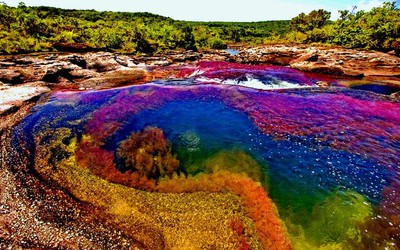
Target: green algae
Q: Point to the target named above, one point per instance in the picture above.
(332, 223)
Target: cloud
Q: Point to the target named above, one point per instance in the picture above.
(367, 5)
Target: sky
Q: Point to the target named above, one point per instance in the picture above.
(212, 10)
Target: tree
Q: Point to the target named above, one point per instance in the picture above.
(314, 20)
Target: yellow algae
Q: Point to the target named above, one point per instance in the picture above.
(199, 220)
(236, 161)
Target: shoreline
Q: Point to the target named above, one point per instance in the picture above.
(25, 77)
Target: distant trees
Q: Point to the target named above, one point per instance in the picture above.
(28, 29)
(377, 29)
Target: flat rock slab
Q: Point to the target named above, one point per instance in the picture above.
(13, 97)
(334, 61)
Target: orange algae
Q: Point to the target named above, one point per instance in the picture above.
(100, 163)
(199, 220)
(237, 161)
(259, 207)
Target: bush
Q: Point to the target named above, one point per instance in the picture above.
(217, 43)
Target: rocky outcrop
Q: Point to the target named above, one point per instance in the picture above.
(336, 61)
(12, 98)
(33, 75)
(28, 76)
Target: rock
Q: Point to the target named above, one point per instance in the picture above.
(102, 62)
(12, 97)
(395, 96)
(75, 59)
(11, 76)
(125, 61)
(338, 61)
(83, 73)
(115, 78)
(160, 63)
(6, 64)
(73, 47)
(186, 56)
(56, 70)
(322, 84)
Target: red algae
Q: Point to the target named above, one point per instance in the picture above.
(148, 153)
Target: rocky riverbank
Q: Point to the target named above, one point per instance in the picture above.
(334, 61)
(23, 77)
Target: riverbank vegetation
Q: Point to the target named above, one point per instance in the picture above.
(26, 29)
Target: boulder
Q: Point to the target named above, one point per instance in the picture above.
(11, 76)
(54, 71)
(395, 96)
(13, 97)
(337, 61)
(101, 62)
(115, 78)
(75, 59)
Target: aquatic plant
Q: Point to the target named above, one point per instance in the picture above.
(158, 221)
(336, 218)
(237, 161)
(382, 231)
(148, 153)
(333, 222)
(101, 163)
(309, 141)
(258, 205)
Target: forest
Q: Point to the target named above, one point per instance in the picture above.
(25, 29)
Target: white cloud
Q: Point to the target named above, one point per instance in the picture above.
(369, 4)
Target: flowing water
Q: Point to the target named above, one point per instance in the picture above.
(331, 156)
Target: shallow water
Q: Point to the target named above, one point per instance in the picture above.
(325, 151)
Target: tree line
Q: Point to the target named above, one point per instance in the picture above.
(26, 29)
(378, 29)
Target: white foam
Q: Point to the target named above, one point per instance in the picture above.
(197, 72)
(253, 83)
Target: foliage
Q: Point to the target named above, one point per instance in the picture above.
(148, 153)
(28, 29)
(377, 29)
(316, 19)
